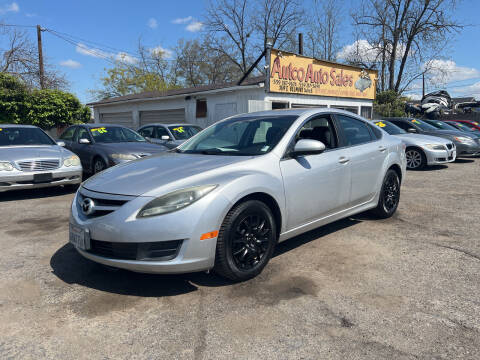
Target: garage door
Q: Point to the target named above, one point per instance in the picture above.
(120, 118)
(171, 116)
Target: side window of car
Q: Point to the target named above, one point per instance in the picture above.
(147, 132)
(68, 134)
(320, 129)
(161, 131)
(403, 125)
(355, 131)
(82, 133)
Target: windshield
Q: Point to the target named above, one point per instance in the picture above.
(389, 127)
(465, 127)
(184, 132)
(240, 136)
(423, 125)
(15, 136)
(115, 134)
(441, 125)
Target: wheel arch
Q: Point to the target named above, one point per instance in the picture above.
(397, 169)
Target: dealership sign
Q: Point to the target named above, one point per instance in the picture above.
(296, 74)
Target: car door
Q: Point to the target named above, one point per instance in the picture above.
(84, 151)
(366, 154)
(316, 185)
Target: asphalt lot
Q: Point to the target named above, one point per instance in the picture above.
(403, 288)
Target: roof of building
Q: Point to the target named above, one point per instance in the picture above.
(174, 92)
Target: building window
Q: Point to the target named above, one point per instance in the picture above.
(366, 112)
(279, 105)
(201, 108)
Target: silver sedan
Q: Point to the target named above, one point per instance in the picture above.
(422, 150)
(29, 158)
(225, 197)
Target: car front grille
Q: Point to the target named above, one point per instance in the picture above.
(159, 251)
(450, 146)
(103, 204)
(39, 165)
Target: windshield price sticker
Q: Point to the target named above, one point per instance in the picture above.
(179, 129)
(415, 121)
(100, 130)
(475, 123)
(1, 129)
(381, 124)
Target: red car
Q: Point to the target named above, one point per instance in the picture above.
(470, 123)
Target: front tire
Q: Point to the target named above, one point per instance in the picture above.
(416, 159)
(389, 195)
(246, 241)
(98, 165)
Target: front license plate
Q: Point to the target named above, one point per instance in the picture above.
(79, 237)
(42, 178)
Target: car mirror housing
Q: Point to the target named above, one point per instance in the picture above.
(307, 147)
(412, 131)
(84, 141)
(61, 143)
(165, 137)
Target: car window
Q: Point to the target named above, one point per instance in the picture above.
(161, 131)
(390, 128)
(19, 136)
(146, 131)
(240, 136)
(82, 133)
(115, 134)
(441, 125)
(320, 129)
(68, 134)
(355, 131)
(465, 127)
(184, 132)
(422, 125)
(402, 125)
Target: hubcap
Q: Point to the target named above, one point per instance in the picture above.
(251, 239)
(414, 159)
(391, 192)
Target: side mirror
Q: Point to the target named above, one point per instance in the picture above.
(61, 143)
(307, 147)
(84, 141)
(165, 137)
(412, 130)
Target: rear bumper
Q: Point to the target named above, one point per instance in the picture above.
(24, 180)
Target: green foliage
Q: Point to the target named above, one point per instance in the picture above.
(389, 103)
(43, 108)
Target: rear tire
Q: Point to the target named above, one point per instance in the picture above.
(389, 195)
(246, 241)
(416, 159)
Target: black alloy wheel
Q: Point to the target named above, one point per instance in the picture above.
(389, 195)
(246, 241)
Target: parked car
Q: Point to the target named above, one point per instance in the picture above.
(467, 145)
(236, 189)
(169, 135)
(422, 150)
(470, 123)
(101, 146)
(463, 127)
(29, 158)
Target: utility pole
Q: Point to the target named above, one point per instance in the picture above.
(300, 43)
(41, 72)
(423, 85)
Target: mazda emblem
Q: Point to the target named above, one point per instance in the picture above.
(88, 206)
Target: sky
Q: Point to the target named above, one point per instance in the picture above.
(117, 26)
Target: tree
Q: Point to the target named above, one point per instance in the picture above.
(20, 58)
(44, 108)
(389, 104)
(408, 32)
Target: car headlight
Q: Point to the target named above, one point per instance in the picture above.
(73, 160)
(123, 156)
(464, 140)
(175, 200)
(6, 166)
(434, 147)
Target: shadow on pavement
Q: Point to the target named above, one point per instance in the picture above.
(464, 161)
(15, 195)
(69, 266)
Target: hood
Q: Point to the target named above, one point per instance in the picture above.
(420, 139)
(18, 153)
(132, 148)
(141, 176)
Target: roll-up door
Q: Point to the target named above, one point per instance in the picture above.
(172, 116)
(120, 118)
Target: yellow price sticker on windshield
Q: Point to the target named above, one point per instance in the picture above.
(381, 124)
(415, 121)
(475, 123)
(1, 129)
(100, 130)
(179, 129)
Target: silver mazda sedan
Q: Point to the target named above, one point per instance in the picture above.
(223, 199)
(29, 158)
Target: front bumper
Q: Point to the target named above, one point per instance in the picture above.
(21, 180)
(464, 150)
(187, 225)
(438, 157)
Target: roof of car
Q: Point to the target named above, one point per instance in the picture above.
(6, 126)
(162, 124)
(90, 125)
(298, 112)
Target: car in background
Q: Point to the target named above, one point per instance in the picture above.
(422, 150)
(467, 145)
(169, 135)
(101, 146)
(236, 189)
(470, 123)
(29, 158)
(463, 127)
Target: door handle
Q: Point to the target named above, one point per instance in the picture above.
(343, 160)
(382, 148)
